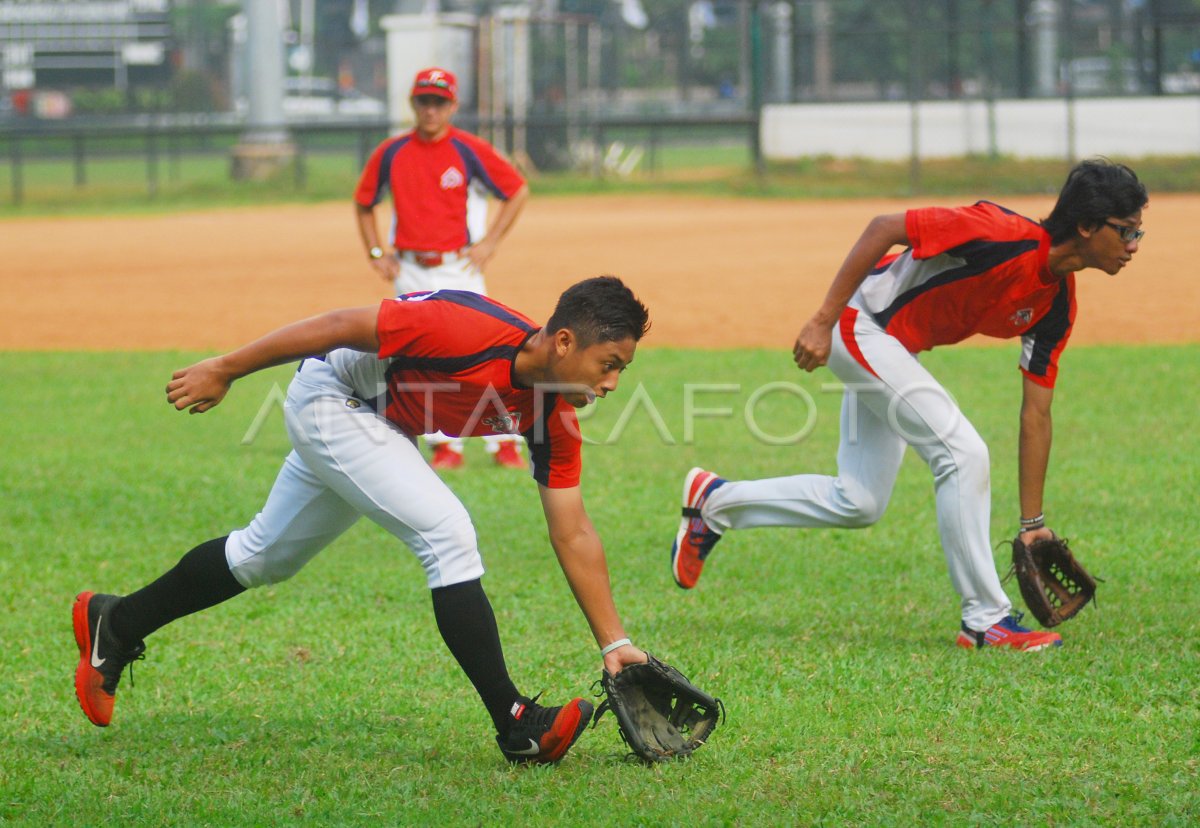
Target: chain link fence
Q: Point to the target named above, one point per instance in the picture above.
(608, 96)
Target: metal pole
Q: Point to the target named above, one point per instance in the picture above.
(914, 62)
(80, 171)
(151, 162)
(18, 177)
(1156, 20)
(264, 147)
(364, 148)
(499, 82)
(756, 57)
(173, 155)
(1024, 82)
(598, 157)
(265, 45)
(781, 53)
(745, 60)
(989, 78)
(570, 33)
(653, 151)
(594, 82)
(760, 164)
(822, 20)
(756, 82)
(300, 173)
(1068, 14)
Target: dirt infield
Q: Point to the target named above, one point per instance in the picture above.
(715, 273)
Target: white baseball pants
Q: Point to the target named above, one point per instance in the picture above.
(348, 461)
(898, 405)
(459, 274)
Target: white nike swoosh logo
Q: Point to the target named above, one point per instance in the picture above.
(532, 750)
(96, 660)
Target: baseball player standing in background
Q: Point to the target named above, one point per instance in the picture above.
(370, 381)
(439, 177)
(971, 270)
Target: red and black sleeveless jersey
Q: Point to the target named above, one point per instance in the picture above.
(974, 270)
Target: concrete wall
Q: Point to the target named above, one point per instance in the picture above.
(1128, 127)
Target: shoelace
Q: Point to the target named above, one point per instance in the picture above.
(139, 657)
(537, 717)
(703, 538)
(1014, 622)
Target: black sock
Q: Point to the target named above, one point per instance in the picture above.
(200, 580)
(468, 626)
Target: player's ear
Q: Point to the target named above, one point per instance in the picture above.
(564, 341)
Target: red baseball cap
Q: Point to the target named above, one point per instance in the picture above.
(436, 81)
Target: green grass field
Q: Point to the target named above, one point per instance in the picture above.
(330, 699)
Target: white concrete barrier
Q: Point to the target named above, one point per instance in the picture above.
(1127, 127)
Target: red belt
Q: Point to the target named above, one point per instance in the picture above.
(432, 258)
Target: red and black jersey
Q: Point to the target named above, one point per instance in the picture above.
(974, 270)
(431, 182)
(445, 363)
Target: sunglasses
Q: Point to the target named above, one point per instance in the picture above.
(440, 83)
(1128, 234)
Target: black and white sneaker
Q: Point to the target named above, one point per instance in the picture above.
(101, 656)
(542, 735)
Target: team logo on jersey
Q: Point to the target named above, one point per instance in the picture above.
(507, 423)
(452, 178)
(1022, 317)
(352, 403)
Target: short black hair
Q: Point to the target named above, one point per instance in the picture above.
(600, 309)
(1095, 190)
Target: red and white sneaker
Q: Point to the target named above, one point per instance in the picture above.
(445, 457)
(509, 456)
(1008, 632)
(543, 735)
(101, 656)
(695, 538)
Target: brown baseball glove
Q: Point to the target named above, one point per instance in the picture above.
(1053, 583)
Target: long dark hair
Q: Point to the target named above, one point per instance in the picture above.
(1095, 190)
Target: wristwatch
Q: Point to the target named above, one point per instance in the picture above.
(375, 252)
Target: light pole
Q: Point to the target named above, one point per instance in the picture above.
(265, 146)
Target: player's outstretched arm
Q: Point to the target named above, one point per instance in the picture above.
(1033, 459)
(581, 556)
(202, 386)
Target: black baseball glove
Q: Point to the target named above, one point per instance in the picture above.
(661, 715)
(1054, 585)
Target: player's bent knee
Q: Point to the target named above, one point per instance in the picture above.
(861, 507)
(972, 458)
(452, 555)
(965, 457)
(258, 573)
(256, 567)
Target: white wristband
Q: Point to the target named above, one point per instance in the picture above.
(616, 645)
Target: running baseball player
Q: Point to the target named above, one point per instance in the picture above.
(372, 379)
(970, 270)
(439, 177)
